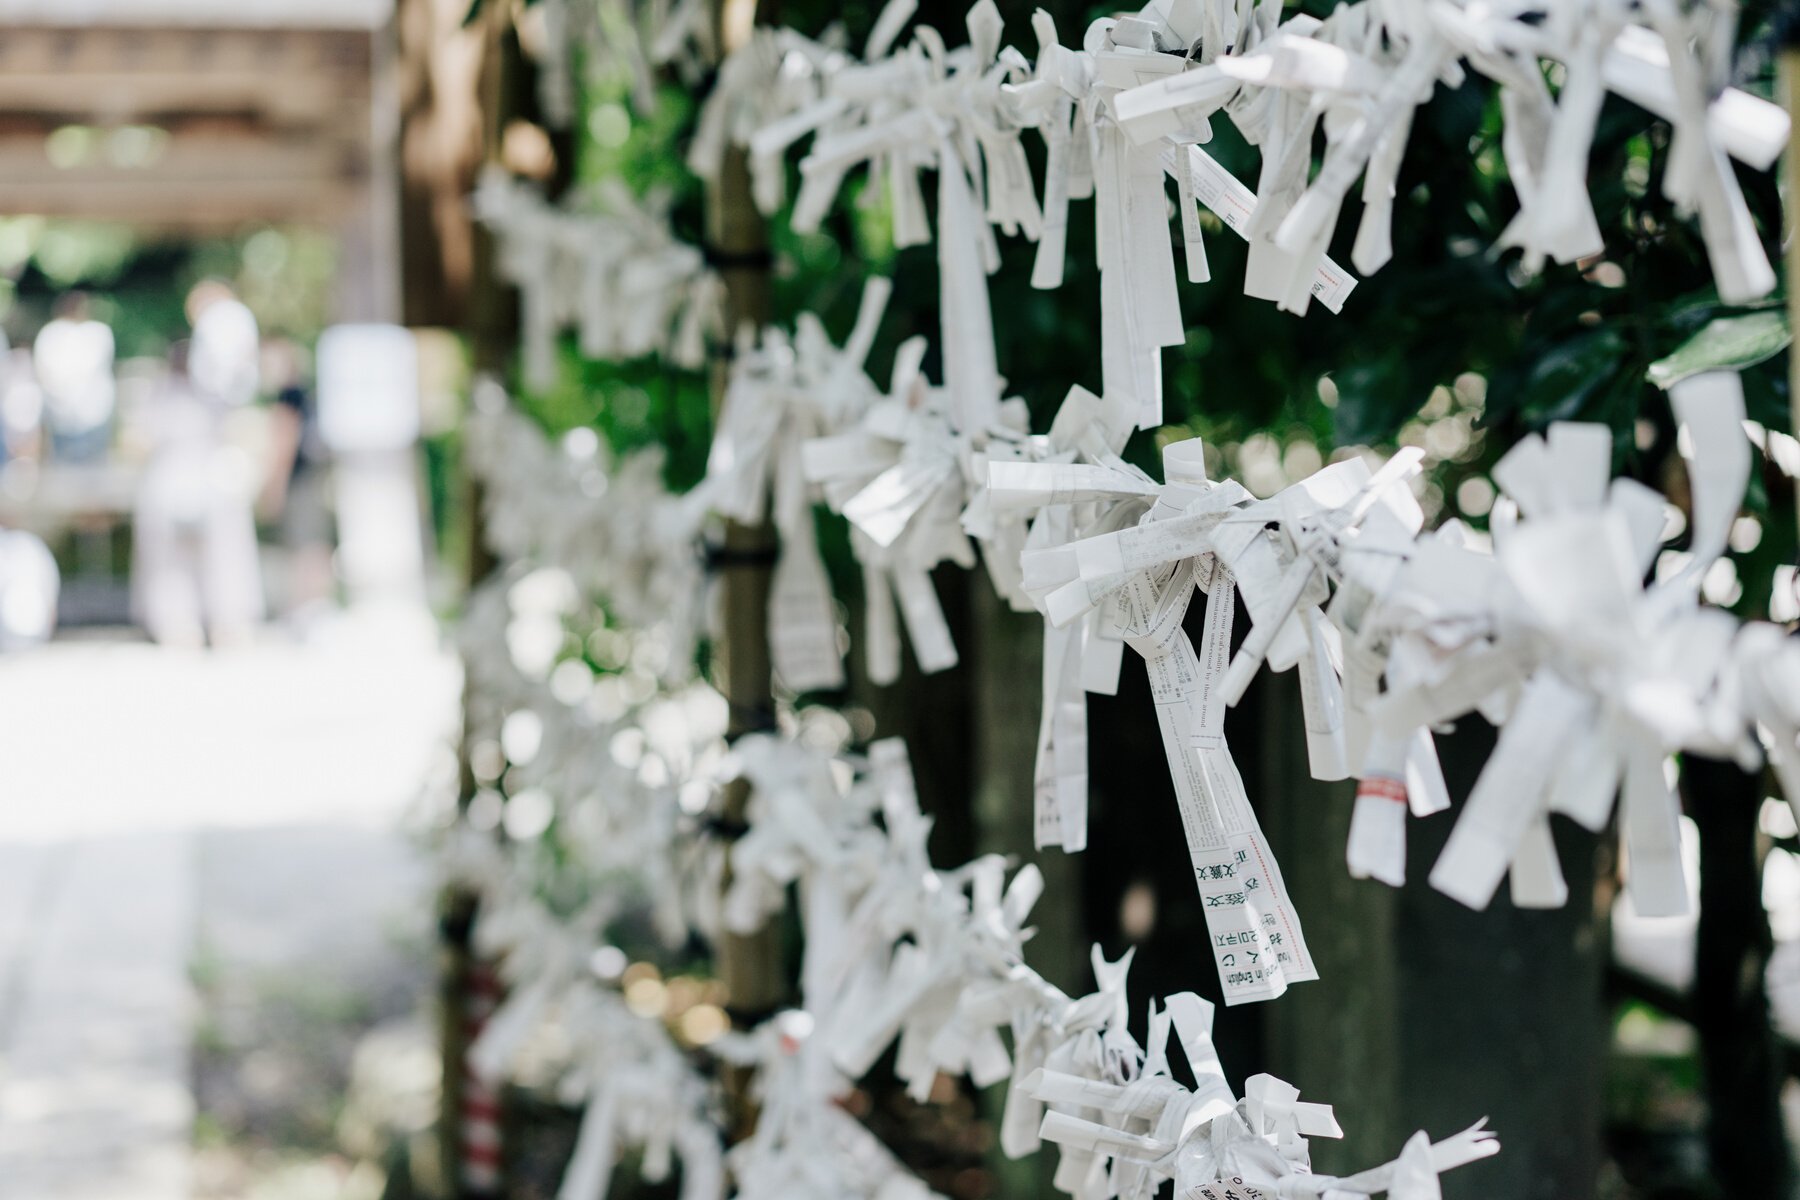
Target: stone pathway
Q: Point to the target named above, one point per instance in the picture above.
(94, 1095)
(202, 881)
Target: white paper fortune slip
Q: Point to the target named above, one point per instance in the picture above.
(1143, 577)
(1235, 205)
(783, 394)
(1212, 1144)
(897, 953)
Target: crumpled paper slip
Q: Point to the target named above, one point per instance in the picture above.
(1359, 74)
(903, 108)
(1140, 579)
(804, 1143)
(905, 477)
(613, 528)
(1086, 1039)
(1605, 698)
(609, 38)
(637, 1091)
(1068, 484)
(1209, 1142)
(603, 264)
(541, 959)
(1596, 678)
(783, 393)
(803, 824)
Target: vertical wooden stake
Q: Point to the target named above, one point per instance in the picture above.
(738, 247)
(1740, 1054)
(493, 337)
(1790, 92)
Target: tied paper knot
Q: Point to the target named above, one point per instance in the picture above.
(783, 394)
(963, 926)
(1065, 485)
(908, 481)
(1211, 1144)
(1086, 1039)
(1342, 526)
(804, 1142)
(610, 529)
(902, 108)
(1620, 677)
(614, 38)
(1137, 581)
(801, 823)
(606, 265)
(638, 1090)
(541, 960)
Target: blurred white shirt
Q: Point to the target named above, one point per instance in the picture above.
(74, 361)
(222, 358)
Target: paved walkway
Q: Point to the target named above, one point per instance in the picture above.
(94, 1095)
(161, 807)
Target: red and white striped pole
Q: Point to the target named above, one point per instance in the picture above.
(478, 1126)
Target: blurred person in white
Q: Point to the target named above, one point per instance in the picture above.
(195, 573)
(21, 404)
(29, 585)
(74, 359)
(224, 359)
(296, 491)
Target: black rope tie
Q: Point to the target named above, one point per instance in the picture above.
(715, 557)
(751, 1018)
(746, 719)
(725, 829)
(760, 259)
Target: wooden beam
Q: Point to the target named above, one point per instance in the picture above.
(99, 49)
(224, 153)
(148, 98)
(311, 15)
(114, 76)
(179, 204)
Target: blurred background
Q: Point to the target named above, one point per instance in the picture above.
(243, 302)
(225, 486)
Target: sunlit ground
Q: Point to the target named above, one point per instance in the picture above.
(209, 918)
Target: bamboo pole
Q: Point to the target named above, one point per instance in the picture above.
(493, 336)
(1790, 90)
(749, 965)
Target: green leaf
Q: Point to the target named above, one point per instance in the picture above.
(1559, 385)
(1725, 344)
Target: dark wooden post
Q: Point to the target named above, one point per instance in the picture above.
(493, 336)
(1336, 1038)
(1500, 1012)
(737, 245)
(1739, 1052)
